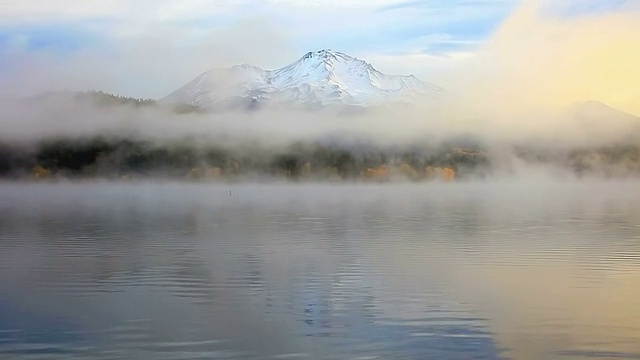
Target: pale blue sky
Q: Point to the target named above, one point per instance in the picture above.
(147, 47)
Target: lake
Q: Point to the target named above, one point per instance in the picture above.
(489, 270)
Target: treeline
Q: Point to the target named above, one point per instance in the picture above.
(126, 158)
(129, 159)
(612, 161)
(103, 99)
(109, 99)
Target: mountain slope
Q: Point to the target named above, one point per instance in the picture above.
(601, 123)
(323, 77)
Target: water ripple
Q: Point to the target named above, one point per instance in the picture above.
(178, 271)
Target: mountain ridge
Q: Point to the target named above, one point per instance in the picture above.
(322, 77)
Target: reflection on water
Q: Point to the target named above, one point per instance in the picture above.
(452, 271)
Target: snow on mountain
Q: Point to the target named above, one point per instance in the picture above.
(323, 77)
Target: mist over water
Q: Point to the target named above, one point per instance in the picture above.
(456, 271)
(96, 135)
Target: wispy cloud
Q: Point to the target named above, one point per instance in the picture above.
(443, 4)
(311, 21)
(578, 8)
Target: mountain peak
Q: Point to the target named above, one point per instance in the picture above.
(328, 58)
(319, 77)
(325, 54)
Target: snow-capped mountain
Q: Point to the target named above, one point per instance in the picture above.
(323, 77)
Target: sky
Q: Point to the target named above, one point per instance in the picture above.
(148, 48)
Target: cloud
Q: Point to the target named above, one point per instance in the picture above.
(444, 5)
(149, 65)
(538, 60)
(31, 11)
(424, 65)
(38, 11)
(576, 8)
(137, 37)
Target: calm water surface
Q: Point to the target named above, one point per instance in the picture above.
(192, 271)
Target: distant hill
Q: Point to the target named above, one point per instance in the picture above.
(104, 99)
(605, 124)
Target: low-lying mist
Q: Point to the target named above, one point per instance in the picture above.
(88, 135)
(532, 100)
